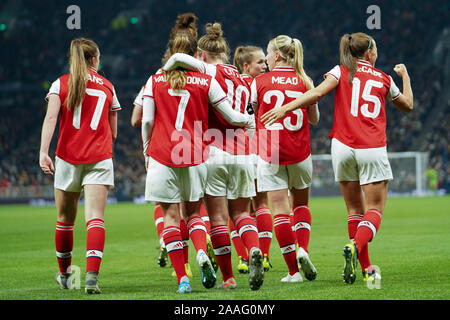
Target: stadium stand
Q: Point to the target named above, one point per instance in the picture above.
(132, 36)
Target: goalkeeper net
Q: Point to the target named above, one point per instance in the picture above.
(408, 169)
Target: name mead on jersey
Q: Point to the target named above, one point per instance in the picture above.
(284, 80)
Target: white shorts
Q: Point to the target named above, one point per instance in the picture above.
(273, 177)
(174, 184)
(230, 175)
(363, 165)
(72, 177)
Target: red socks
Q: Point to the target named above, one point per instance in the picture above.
(159, 220)
(184, 239)
(286, 240)
(174, 246)
(64, 245)
(264, 224)
(302, 225)
(367, 228)
(363, 257)
(247, 231)
(197, 233)
(205, 218)
(222, 249)
(95, 244)
(237, 241)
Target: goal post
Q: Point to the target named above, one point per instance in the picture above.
(408, 169)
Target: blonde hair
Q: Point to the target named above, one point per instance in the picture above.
(244, 54)
(291, 51)
(351, 48)
(81, 52)
(183, 43)
(213, 42)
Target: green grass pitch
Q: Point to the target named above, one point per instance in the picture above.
(412, 250)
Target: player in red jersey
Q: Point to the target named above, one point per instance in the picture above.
(284, 153)
(230, 169)
(185, 22)
(358, 146)
(175, 121)
(251, 62)
(87, 106)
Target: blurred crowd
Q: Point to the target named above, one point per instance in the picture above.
(35, 51)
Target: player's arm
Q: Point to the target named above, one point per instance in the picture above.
(310, 97)
(112, 116)
(48, 128)
(218, 99)
(112, 119)
(404, 101)
(185, 61)
(136, 116)
(313, 111)
(148, 117)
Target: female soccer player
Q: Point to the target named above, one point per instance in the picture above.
(284, 162)
(230, 178)
(175, 120)
(358, 145)
(185, 22)
(251, 62)
(87, 105)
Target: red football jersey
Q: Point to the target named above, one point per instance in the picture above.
(234, 139)
(359, 109)
(248, 78)
(288, 138)
(181, 119)
(84, 133)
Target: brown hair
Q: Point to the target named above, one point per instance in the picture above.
(352, 47)
(213, 42)
(186, 22)
(81, 52)
(291, 50)
(244, 54)
(183, 43)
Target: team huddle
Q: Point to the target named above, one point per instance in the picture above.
(227, 151)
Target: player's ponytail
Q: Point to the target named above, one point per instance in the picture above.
(181, 43)
(81, 52)
(352, 47)
(291, 50)
(244, 54)
(213, 42)
(186, 22)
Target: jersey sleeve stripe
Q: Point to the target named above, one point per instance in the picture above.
(48, 95)
(398, 95)
(220, 100)
(330, 74)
